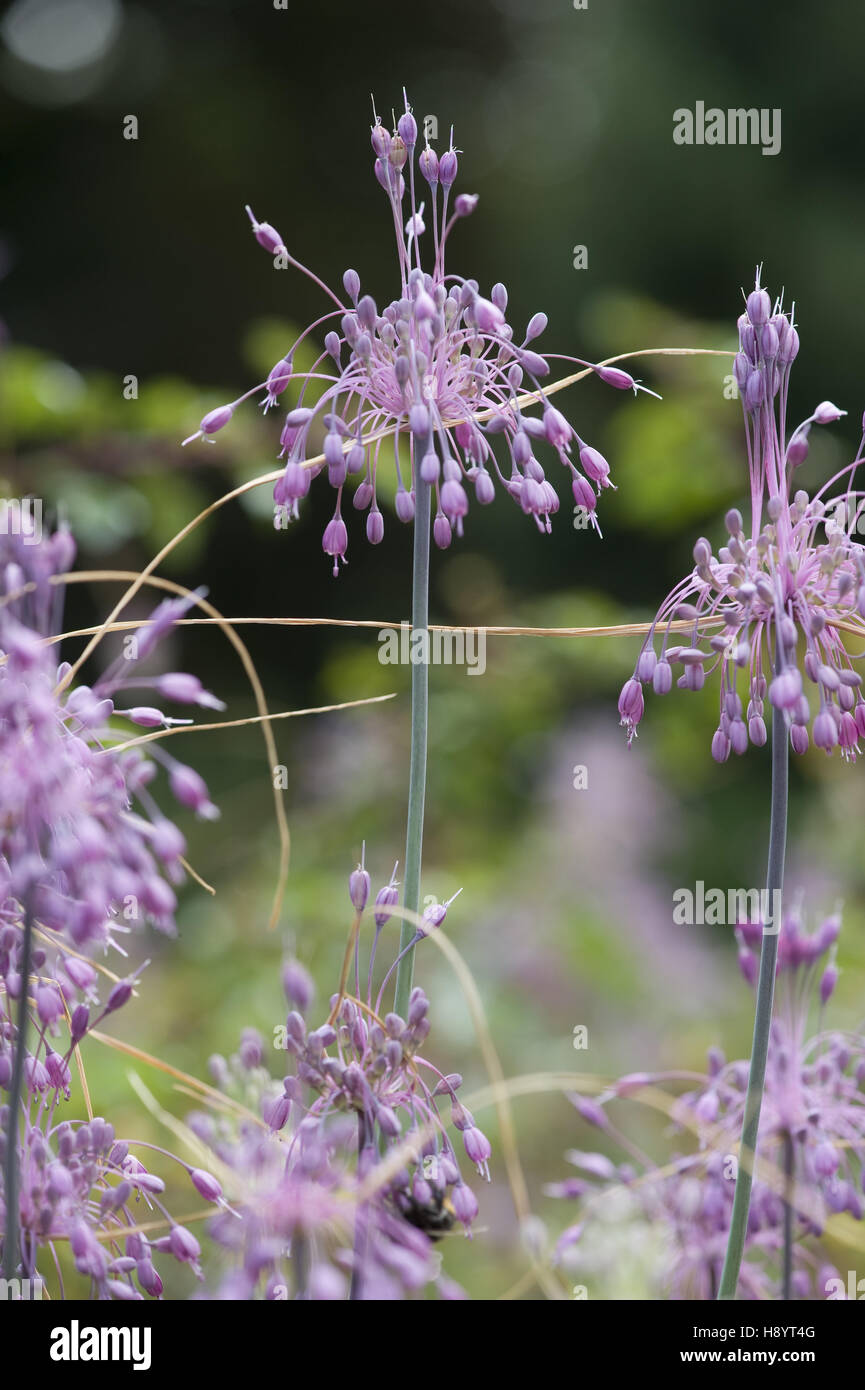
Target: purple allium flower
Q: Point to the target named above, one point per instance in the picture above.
(82, 838)
(82, 1186)
(793, 577)
(439, 365)
(351, 1175)
(812, 1126)
(85, 855)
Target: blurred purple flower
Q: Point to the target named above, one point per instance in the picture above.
(80, 864)
(352, 1175)
(812, 1127)
(72, 840)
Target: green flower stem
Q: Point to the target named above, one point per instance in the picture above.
(10, 1166)
(361, 1220)
(763, 1017)
(419, 719)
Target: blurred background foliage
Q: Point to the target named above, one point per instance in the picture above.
(129, 258)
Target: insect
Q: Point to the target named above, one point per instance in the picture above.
(435, 1217)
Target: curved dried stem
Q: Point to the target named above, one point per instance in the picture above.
(169, 586)
(200, 1088)
(158, 734)
(498, 1090)
(528, 398)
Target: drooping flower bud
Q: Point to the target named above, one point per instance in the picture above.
(206, 1184)
(212, 422)
(335, 541)
(191, 791)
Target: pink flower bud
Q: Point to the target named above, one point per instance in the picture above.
(447, 168)
(826, 413)
(212, 422)
(265, 235)
(595, 465)
(49, 1005)
(759, 307)
(614, 376)
(186, 689)
(429, 166)
(206, 1184)
(335, 541)
(191, 791)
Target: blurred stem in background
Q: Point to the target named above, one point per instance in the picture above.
(419, 719)
(763, 1017)
(787, 1266)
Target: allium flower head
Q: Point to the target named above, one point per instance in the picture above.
(360, 1100)
(85, 854)
(812, 1126)
(82, 839)
(82, 1185)
(439, 366)
(772, 610)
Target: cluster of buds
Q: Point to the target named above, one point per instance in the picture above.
(85, 855)
(811, 1147)
(81, 1186)
(440, 366)
(351, 1174)
(770, 612)
(83, 842)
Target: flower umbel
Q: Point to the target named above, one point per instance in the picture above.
(439, 366)
(811, 1141)
(85, 856)
(82, 835)
(770, 611)
(353, 1174)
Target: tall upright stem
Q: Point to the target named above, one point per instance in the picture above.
(361, 1220)
(11, 1173)
(763, 1017)
(787, 1258)
(419, 714)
